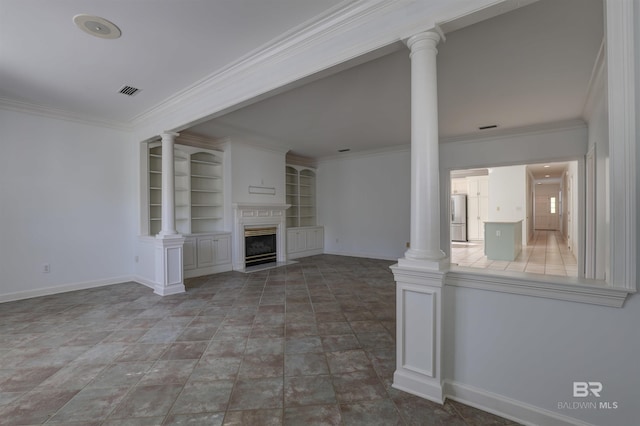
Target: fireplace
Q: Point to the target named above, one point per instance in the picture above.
(253, 216)
(260, 246)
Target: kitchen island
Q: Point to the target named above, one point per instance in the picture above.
(503, 240)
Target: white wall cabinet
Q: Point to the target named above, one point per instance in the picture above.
(477, 206)
(305, 241)
(205, 254)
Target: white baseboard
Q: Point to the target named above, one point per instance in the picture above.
(416, 385)
(506, 407)
(144, 281)
(306, 253)
(362, 255)
(28, 294)
(192, 273)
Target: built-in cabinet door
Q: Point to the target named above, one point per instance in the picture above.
(189, 253)
(206, 251)
(222, 249)
(315, 239)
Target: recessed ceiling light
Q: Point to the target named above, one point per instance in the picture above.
(547, 175)
(97, 26)
(546, 166)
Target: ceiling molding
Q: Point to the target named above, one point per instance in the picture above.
(596, 83)
(58, 114)
(309, 32)
(358, 29)
(198, 141)
(516, 131)
(299, 160)
(482, 14)
(367, 153)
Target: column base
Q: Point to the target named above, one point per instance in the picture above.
(169, 265)
(418, 385)
(425, 264)
(419, 330)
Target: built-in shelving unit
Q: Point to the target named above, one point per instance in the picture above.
(206, 192)
(155, 190)
(304, 238)
(301, 194)
(198, 190)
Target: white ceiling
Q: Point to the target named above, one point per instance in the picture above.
(166, 46)
(525, 67)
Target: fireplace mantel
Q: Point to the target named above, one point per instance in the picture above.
(251, 215)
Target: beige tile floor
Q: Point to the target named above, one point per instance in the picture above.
(305, 344)
(546, 254)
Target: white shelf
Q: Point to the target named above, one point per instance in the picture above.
(198, 191)
(300, 194)
(213, 163)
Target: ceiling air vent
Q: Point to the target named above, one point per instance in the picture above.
(129, 91)
(492, 126)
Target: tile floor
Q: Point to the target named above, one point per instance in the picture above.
(306, 344)
(546, 254)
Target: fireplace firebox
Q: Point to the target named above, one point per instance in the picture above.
(260, 246)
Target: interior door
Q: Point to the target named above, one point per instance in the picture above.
(547, 207)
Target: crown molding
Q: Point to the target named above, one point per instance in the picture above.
(59, 114)
(596, 83)
(299, 160)
(344, 34)
(199, 141)
(367, 153)
(308, 32)
(516, 131)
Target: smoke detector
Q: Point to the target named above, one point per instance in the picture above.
(97, 26)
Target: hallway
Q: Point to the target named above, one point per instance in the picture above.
(546, 254)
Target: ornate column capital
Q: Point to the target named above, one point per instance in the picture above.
(425, 40)
(169, 135)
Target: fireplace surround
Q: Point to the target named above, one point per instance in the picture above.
(253, 216)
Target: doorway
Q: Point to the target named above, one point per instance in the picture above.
(547, 207)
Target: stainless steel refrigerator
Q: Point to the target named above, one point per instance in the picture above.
(459, 217)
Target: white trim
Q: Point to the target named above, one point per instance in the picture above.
(506, 407)
(622, 142)
(361, 255)
(356, 155)
(305, 253)
(199, 272)
(144, 281)
(359, 28)
(546, 286)
(534, 129)
(59, 114)
(28, 294)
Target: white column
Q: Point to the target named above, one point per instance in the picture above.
(424, 248)
(168, 185)
(420, 274)
(169, 263)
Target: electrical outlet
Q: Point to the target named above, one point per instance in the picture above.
(46, 268)
(498, 233)
(408, 244)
